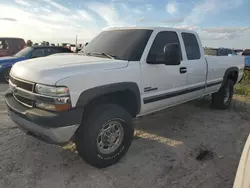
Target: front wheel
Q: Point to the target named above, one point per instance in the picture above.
(105, 135)
(222, 99)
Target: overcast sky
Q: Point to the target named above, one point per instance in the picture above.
(220, 23)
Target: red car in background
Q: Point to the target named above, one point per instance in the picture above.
(10, 46)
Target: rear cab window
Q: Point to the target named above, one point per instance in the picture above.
(191, 46)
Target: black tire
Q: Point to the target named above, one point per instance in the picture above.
(5, 75)
(87, 134)
(222, 99)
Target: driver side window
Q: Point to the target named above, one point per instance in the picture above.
(161, 40)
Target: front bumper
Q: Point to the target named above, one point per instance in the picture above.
(52, 127)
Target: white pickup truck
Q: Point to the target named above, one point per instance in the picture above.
(91, 98)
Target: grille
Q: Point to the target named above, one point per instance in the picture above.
(24, 101)
(22, 84)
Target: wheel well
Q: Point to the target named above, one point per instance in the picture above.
(126, 99)
(233, 76)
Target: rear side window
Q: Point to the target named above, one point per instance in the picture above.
(191, 46)
(161, 40)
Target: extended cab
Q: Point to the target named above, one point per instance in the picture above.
(90, 98)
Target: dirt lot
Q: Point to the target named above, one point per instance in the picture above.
(163, 153)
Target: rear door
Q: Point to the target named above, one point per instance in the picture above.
(163, 85)
(195, 65)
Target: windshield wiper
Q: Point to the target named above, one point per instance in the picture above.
(111, 56)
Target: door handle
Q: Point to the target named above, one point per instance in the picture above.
(183, 70)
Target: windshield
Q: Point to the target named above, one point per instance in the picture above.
(126, 44)
(24, 52)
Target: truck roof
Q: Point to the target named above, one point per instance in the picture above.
(152, 28)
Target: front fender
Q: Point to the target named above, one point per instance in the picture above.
(88, 95)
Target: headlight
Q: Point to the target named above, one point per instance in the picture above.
(53, 98)
(51, 91)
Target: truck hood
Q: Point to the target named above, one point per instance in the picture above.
(50, 69)
(11, 59)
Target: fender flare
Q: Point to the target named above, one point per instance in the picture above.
(228, 71)
(92, 93)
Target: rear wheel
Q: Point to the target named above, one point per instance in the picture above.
(5, 75)
(222, 99)
(105, 135)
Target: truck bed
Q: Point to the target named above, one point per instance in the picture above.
(217, 66)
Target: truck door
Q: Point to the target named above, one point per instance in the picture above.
(163, 85)
(195, 65)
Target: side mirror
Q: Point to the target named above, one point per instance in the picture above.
(172, 54)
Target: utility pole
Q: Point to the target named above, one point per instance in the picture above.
(76, 40)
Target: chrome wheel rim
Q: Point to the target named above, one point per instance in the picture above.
(110, 137)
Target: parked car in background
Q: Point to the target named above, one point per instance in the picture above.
(219, 51)
(246, 53)
(10, 46)
(72, 47)
(27, 53)
(238, 51)
(64, 44)
(210, 51)
(225, 52)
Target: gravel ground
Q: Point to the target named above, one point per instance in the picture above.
(163, 153)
